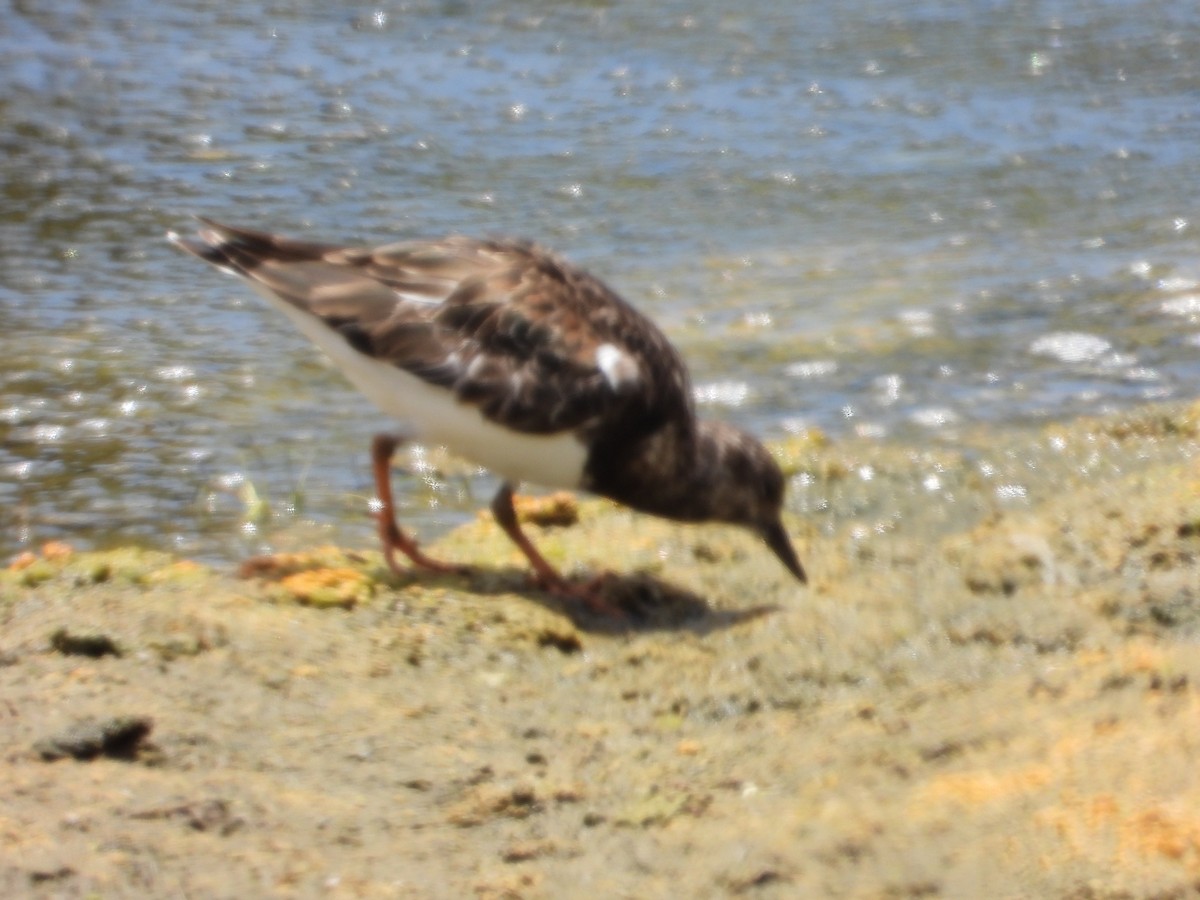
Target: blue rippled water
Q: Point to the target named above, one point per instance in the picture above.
(884, 220)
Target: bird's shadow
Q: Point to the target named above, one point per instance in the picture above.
(638, 602)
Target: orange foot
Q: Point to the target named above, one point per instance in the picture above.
(394, 539)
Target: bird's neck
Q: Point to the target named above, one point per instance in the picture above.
(668, 473)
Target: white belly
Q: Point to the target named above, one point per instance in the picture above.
(433, 414)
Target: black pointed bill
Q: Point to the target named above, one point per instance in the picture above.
(779, 542)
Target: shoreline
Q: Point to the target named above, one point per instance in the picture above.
(996, 701)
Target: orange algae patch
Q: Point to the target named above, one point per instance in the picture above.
(23, 561)
(275, 566)
(34, 568)
(57, 551)
(325, 576)
(52, 551)
(343, 587)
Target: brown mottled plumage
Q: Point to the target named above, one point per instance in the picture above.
(515, 359)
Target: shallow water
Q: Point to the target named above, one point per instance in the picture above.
(902, 222)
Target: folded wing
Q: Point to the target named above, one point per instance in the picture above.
(534, 343)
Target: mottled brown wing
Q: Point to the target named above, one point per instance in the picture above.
(535, 343)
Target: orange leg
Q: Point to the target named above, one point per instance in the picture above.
(546, 576)
(393, 539)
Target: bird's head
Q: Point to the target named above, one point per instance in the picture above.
(747, 488)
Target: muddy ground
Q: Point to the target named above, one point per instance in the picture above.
(999, 702)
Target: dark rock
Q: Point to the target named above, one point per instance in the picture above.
(119, 737)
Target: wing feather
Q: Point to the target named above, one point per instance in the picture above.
(535, 343)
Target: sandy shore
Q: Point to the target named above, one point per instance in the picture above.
(1000, 703)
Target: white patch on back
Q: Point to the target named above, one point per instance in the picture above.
(617, 366)
(422, 299)
(435, 415)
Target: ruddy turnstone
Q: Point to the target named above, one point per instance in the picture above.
(514, 359)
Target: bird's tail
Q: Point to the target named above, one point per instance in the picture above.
(240, 251)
